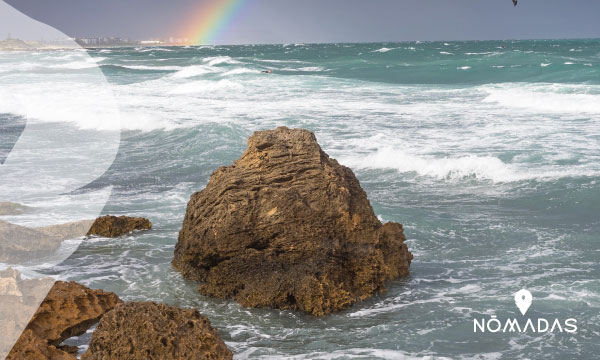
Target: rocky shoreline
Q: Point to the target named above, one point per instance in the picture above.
(126, 330)
(284, 227)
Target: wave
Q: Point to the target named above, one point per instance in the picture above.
(468, 167)
(548, 98)
(216, 60)
(206, 86)
(240, 71)
(78, 65)
(447, 168)
(194, 70)
(383, 50)
(152, 68)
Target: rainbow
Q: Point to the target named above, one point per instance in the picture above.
(211, 19)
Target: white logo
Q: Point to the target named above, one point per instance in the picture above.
(523, 300)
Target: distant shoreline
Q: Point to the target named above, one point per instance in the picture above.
(20, 45)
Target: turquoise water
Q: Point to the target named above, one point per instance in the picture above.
(487, 152)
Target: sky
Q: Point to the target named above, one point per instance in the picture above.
(308, 21)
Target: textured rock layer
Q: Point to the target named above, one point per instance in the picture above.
(68, 310)
(288, 227)
(147, 330)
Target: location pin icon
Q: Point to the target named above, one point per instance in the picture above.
(523, 300)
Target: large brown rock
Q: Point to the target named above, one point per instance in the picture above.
(68, 310)
(146, 330)
(113, 226)
(288, 227)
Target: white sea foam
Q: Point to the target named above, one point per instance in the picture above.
(443, 168)
(547, 98)
(155, 68)
(383, 50)
(206, 86)
(216, 60)
(463, 68)
(545, 64)
(192, 71)
(240, 71)
(75, 65)
(311, 68)
(446, 53)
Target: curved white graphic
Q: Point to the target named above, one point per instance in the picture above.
(58, 109)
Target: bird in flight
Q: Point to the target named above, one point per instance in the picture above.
(515, 2)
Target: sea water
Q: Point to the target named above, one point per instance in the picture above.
(488, 152)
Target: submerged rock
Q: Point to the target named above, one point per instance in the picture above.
(288, 227)
(19, 244)
(113, 226)
(145, 330)
(10, 208)
(69, 309)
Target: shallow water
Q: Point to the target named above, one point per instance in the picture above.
(487, 152)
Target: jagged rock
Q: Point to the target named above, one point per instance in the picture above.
(288, 227)
(68, 310)
(32, 347)
(146, 330)
(19, 244)
(113, 226)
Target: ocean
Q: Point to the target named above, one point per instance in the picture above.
(488, 152)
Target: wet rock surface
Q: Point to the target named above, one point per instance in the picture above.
(145, 330)
(113, 226)
(288, 227)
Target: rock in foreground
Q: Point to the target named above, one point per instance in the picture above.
(68, 310)
(113, 226)
(288, 227)
(147, 330)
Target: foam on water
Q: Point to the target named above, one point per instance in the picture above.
(203, 86)
(494, 173)
(547, 98)
(193, 71)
